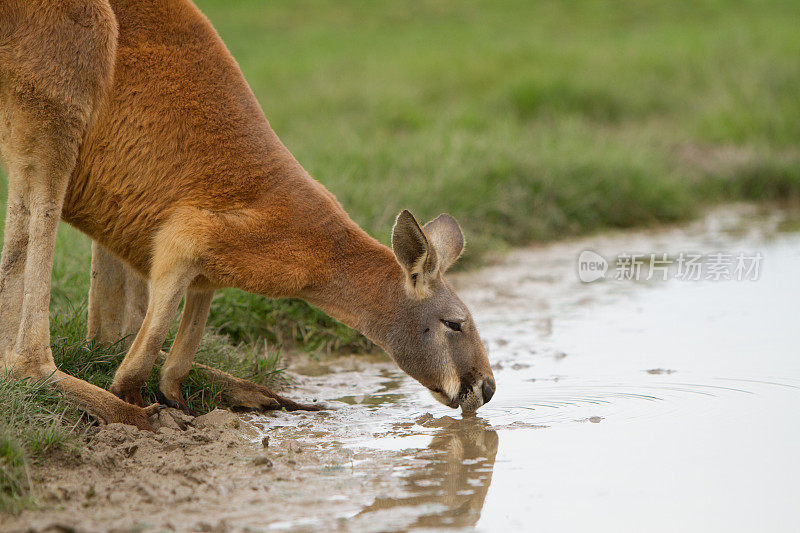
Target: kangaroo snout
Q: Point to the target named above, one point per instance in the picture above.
(474, 395)
(488, 389)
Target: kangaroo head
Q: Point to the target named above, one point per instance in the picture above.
(434, 339)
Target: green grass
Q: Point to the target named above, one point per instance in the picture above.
(35, 421)
(527, 121)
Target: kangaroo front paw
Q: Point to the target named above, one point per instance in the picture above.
(178, 403)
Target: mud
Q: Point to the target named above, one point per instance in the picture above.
(621, 405)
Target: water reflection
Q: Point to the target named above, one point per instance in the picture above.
(451, 485)
(388, 393)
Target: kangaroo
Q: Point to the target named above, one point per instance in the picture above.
(130, 120)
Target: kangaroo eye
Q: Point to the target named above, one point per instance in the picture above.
(455, 326)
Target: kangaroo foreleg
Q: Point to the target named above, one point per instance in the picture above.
(181, 354)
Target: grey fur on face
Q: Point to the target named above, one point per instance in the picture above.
(437, 342)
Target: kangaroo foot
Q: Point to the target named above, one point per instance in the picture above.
(100, 403)
(133, 415)
(248, 395)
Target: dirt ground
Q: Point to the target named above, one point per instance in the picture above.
(224, 471)
(125, 479)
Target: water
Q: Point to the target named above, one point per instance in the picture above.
(620, 405)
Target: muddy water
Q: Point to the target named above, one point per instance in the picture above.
(620, 405)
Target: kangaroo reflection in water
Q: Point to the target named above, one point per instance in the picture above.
(452, 484)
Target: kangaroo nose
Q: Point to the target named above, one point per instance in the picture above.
(488, 389)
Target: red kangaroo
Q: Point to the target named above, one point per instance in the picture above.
(130, 120)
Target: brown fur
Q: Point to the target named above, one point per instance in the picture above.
(173, 168)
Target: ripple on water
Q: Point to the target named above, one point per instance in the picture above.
(566, 399)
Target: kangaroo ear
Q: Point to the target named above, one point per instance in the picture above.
(446, 237)
(412, 250)
(409, 243)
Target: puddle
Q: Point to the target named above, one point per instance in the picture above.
(620, 405)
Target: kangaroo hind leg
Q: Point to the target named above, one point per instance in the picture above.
(55, 70)
(117, 299)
